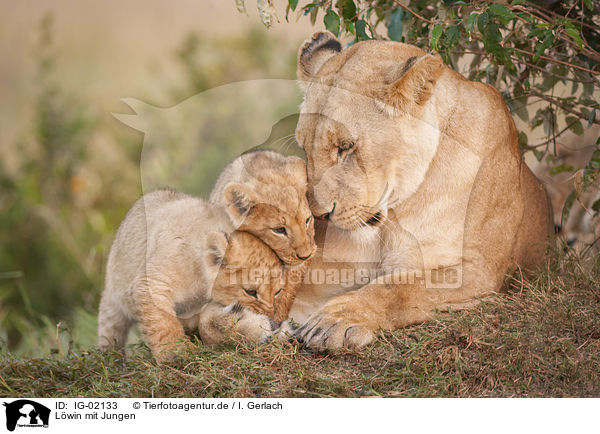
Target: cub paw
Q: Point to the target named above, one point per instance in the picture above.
(218, 324)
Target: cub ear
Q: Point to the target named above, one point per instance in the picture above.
(413, 82)
(314, 53)
(297, 167)
(239, 200)
(216, 246)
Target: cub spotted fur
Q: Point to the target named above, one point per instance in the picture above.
(172, 258)
(264, 193)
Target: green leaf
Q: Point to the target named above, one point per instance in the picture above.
(349, 26)
(522, 139)
(313, 15)
(574, 33)
(546, 43)
(592, 118)
(451, 37)
(594, 163)
(491, 41)
(347, 9)
(332, 22)
(527, 17)
(394, 26)
(520, 108)
(589, 4)
(361, 30)
(503, 14)
(561, 168)
(482, 21)
(549, 123)
(517, 2)
(567, 207)
(293, 4)
(575, 125)
(538, 154)
(470, 23)
(436, 32)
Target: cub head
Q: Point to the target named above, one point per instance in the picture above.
(274, 208)
(367, 125)
(247, 272)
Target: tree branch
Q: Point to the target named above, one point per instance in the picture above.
(549, 59)
(562, 106)
(413, 12)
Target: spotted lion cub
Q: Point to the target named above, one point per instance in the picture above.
(264, 193)
(172, 262)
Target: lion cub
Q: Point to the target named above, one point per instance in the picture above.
(264, 193)
(172, 258)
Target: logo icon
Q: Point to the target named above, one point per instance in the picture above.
(26, 413)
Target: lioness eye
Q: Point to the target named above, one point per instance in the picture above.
(280, 231)
(277, 293)
(308, 220)
(251, 292)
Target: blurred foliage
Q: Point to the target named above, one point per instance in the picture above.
(46, 270)
(234, 91)
(79, 174)
(530, 50)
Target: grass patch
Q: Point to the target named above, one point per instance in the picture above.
(539, 337)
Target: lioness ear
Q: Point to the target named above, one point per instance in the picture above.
(413, 82)
(239, 199)
(216, 246)
(314, 53)
(297, 167)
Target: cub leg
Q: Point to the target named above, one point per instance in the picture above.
(113, 323)
(162, 329)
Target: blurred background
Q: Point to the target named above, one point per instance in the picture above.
(69, 170)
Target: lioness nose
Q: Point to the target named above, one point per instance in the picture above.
(327, 215)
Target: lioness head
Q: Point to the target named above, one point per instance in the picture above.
(367, 125)
(247, 273)
(275, 209)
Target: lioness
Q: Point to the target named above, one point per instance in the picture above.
(414, 169)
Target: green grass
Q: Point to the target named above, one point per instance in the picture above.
(539, 337)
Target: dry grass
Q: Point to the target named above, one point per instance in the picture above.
(539, 337)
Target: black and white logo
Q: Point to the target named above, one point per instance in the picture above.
(25, 413)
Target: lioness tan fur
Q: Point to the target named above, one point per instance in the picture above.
(417, 173)
(172, 260)
(264, 193)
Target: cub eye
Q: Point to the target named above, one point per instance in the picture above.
(277, 293)
(251, 292)
(308, 220)
(280, 231)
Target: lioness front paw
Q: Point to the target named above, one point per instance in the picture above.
(325, 330)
